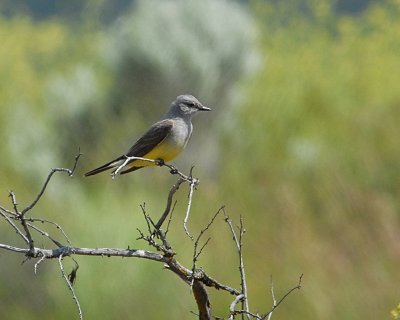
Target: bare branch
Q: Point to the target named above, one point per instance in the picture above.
(193, 183)
(245, 313)
(203, 304)
(70, 172)
(38, 262)
(156, 238)
(210, 282)
(69, 284)
(14, 203)
(20, 216)
(196, 253)
(52, 223)
(12, 224)
(165, 247)
(101, 252)
(173, 190)
(239, 298)
(75, 162)
(170, 218)
(238, 242)
(275, 305)
(35, 201)
(45, 234)
(273, 298)
(158, 162)
(6, 211)
(12, 248)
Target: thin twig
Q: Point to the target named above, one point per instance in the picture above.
(54, 224)
(196, 253)
(36, 200)
(69, 284)
(238, 243)
(45, 234)
(193, 184)
(173, 190)
(158, 162)
(240, 297)
(245, 302)
(165, 247)
(75, 162)
(7, 211)
(211, 282)
(248, 314)
(273, 298)
(297, 287)
(70, 172)
(10, 222)
(170, 218)
(14, 203)
(146, 217)
(38, 262)
(21, 218)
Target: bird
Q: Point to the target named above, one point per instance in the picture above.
(163, 141)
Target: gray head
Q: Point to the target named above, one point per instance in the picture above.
(186, 106)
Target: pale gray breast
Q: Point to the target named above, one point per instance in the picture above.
(180, 133)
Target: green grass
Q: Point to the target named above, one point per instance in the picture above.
(309, 157)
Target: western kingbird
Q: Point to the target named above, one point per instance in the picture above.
(164, 140)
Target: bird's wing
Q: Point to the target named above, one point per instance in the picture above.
(154, 136)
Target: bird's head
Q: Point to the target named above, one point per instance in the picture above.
(186, 105)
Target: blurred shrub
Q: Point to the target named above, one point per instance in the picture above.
(164, 48)
(396, 313)
(310, 156)
(317, 138)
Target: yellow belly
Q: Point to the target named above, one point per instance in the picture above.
(164, 151)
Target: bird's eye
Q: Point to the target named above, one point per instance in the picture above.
(184, 108)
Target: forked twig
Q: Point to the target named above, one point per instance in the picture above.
(238, 242)
(276, 304)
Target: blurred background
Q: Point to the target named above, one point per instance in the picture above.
(302, 142)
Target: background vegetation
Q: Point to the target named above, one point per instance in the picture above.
(302, 142)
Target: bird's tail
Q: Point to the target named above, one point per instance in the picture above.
(107, 166)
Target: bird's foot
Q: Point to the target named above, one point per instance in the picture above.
(159, 162)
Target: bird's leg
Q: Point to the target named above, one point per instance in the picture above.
(160, 162)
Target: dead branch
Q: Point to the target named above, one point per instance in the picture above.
(155, 237)
(237, 238)
(276, 304)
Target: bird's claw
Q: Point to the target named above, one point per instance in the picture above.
(160, 162)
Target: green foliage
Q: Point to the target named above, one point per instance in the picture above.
(317, 133)
(36, 96)
(309, 155)
(201, 48)
(396, 313)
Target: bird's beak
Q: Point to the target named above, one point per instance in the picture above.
(203, 108)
